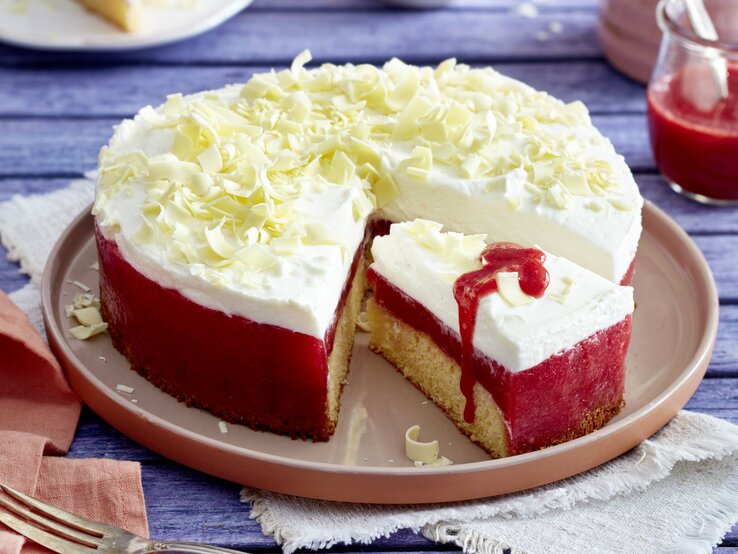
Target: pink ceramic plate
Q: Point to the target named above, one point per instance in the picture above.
(675, 325)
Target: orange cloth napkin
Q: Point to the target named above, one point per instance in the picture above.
(38, 417)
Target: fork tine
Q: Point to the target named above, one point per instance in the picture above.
(62, 516)
(57, 544)
(46, 524)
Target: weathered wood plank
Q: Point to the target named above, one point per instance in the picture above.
(693, 217)
(52, 146)
(268, 37)
(363, 5)
(717, 251)
(183, 504)
(48, 147)
(122, 91)
(717, 397)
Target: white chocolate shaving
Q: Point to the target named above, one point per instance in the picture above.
(508, 286)
(125, 388)
(223, 426)
(362, 322)
(84, 300)
(84, 332)
(423, 453)
(86, 310)
(88, 316)
(417, 451)
(457, 250)
(300, 60)
(81, 286)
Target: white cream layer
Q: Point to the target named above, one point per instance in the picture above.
(517, 337)
(591, 232)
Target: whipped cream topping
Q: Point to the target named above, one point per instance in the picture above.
(252, 199)
(423, 262)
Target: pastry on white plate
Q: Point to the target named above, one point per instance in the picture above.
(126, 14)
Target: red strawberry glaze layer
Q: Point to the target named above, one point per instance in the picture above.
(262, 375)
(545, 404)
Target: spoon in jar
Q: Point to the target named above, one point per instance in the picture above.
(704, 28)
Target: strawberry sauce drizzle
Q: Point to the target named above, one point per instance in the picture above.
(471, 287)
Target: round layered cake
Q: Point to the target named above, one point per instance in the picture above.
(232, 224)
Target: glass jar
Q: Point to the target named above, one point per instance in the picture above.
(693, 128)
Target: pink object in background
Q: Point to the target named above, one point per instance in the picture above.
(38, 417)
(629, 36)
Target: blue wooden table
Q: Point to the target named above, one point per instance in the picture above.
(56, 110)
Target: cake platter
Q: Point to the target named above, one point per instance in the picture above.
(66, 25)
(675, 324)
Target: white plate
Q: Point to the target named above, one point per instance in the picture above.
(66, 25)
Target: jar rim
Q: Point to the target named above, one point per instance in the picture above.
(669, 24)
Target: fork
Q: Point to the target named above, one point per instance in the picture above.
(67, 533)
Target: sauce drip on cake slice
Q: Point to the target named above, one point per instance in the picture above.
(539, 362)
(469, 288)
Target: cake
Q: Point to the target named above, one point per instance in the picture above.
(126, 14)
(522, 349)
(233, 223)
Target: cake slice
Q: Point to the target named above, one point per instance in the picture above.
(542, 357)
(126, 14)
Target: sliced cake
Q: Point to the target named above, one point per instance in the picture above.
(521, 348)
(231, 223)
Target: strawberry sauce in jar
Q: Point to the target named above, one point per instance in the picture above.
(693, 127)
